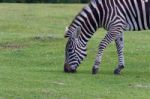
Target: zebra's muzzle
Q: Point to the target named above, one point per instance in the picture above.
(69, 69)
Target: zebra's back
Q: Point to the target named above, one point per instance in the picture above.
(135, 12)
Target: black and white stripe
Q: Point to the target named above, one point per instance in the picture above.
(115, 16)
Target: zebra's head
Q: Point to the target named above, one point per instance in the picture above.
(75, 51)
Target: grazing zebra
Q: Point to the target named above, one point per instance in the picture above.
(115, 16)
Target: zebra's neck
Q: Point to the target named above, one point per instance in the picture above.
(87, 22)
(91, 17)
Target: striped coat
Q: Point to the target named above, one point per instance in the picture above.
(116, 16)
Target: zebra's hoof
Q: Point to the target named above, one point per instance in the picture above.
(94, 70)
(117, 71)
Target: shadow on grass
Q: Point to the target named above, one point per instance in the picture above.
(102, 72)
(81, 72)
(136, 74)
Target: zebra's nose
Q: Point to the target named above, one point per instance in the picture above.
(68, 69)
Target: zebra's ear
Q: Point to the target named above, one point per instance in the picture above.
(66, 33)
(78, 32)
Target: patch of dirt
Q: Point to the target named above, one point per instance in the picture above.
(42, 37)
(46, 38)
(147, 86)
(142, 86)
(58, 83)
(11, 46)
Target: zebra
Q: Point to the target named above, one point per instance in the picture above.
(115, 16)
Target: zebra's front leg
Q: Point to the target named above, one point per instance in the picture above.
(108, 39)
(120, 46)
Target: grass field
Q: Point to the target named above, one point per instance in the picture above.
(32, 58)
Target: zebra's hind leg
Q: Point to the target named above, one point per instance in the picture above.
(107, 39)
(120, 45)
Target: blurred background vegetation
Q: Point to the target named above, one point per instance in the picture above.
(44, 1)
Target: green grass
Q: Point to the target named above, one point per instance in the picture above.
(32, 58)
